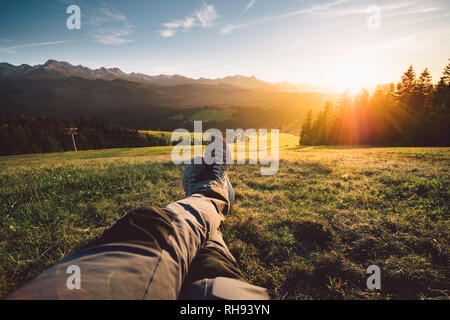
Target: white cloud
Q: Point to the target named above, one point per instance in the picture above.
(113, 36)
(105, 14)
(167, 33)
(113, 27)
(12, 49)
(203, 17)
(206, 15)
(229, 28)
(113, 14)
(248, 7)
(186, 23)
(414, 11)
(389, 10)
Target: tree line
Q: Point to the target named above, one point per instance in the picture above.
(413, 112)
(29, 134)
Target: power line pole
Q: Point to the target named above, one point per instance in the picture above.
(73, 132)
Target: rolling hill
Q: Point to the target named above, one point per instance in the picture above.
(158, 102)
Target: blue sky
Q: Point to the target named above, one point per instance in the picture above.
(326, 42)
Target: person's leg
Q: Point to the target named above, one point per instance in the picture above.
(146, 254)
(213, 260)
(214, 274)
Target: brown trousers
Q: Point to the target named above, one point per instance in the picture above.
(152, 253)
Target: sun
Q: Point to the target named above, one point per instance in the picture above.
(353, 74)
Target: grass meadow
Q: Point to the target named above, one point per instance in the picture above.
(308, 232)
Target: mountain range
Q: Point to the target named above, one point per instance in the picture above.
(53, 69)
(140, 101)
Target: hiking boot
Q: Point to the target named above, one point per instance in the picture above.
(211, 179)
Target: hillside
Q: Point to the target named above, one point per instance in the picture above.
(308, 232)
(63, 69)
(61, 90)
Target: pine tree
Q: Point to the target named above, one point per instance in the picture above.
(445, 78)
(305, 135)
(407, 87)
(441, 110)
(424, 88)
(442, 96)
(322, 125)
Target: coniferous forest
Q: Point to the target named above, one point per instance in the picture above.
(413, 112)
(28, 134)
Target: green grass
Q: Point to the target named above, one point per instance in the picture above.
(211, 114)
(156, 133)
(179, 116)
(308, 232)
(205, 115)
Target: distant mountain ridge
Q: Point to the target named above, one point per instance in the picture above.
(62, 90)
(53, 69)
